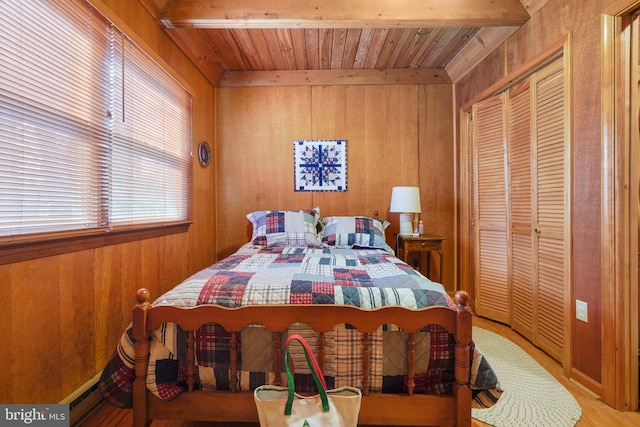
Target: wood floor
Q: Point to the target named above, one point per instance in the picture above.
(594, 412)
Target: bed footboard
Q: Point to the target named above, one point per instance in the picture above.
(377, 408)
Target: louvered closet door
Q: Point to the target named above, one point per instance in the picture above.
(552, 207)
(492, 292)
(523, 289)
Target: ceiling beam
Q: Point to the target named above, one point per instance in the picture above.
(341, 13)
(335, 77)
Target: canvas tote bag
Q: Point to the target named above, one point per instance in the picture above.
(282, 406)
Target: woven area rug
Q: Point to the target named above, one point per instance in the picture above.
(531, 397)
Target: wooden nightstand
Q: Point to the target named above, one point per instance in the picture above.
(421, 243)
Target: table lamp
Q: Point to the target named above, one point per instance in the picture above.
(405, 200)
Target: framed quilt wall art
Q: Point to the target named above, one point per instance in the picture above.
(320, 165)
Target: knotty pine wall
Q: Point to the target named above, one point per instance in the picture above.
(62, 315)
(396, 135)
(551, 23)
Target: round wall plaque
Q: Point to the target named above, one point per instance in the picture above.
(204, 154)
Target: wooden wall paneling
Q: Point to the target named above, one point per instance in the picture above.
(109, 318)
(586, 161)
(382, 125)
(204, 181)
(173, 261)
(436, 172)
(338, 113)
(480, 78)
(132, 270)
(382, 145)
(151, 271)
(391, 132)
(35, 317)
(77, 310)
(137, 18)
(393, 128)
(256, 130)
(6, 332)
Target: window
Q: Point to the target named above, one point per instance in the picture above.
(151, 151)
(94, 135)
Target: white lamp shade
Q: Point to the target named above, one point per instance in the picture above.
(405, 200)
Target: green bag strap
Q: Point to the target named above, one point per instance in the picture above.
(318, 378)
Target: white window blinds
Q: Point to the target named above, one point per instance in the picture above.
(93, 133)
(54, 80)
(151, 125)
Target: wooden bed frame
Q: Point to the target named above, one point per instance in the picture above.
(229, 406)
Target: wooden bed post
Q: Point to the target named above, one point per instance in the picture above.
(461, 388)
(141, 336)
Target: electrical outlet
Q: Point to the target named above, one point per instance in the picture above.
(582, 311)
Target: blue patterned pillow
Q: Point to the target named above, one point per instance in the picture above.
(355, 231)
(285, 228)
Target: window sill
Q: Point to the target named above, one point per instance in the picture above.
(61, 243)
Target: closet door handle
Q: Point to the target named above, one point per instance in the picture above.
(537, 230)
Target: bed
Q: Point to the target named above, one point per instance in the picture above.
(198, 351)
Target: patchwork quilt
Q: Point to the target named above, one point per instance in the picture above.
(366, 278)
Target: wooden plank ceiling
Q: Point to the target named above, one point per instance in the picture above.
(262, 42)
